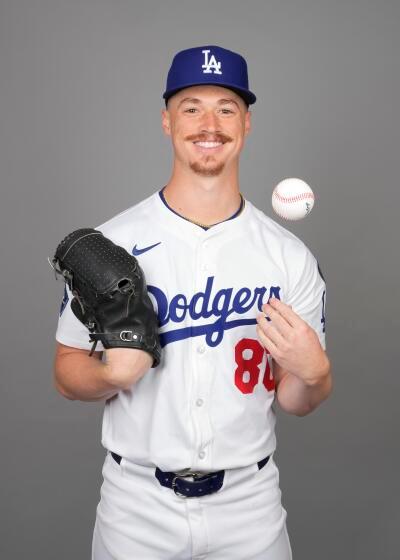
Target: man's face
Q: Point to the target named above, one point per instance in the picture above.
(207, 125)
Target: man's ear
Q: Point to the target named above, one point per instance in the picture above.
(247, 122)
(165, 122)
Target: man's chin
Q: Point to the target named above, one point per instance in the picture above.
(211, 170)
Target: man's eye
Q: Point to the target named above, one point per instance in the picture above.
(226, 111)
(190, 110)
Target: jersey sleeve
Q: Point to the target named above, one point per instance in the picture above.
(307, 293)
(70, 331)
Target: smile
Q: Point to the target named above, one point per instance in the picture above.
(209, 147)
(208, 144)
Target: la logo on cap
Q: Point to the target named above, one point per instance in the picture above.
(203, 65)
(211, 66)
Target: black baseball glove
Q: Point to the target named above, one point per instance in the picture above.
(110, 292)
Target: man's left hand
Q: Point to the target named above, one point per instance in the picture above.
(292, 343)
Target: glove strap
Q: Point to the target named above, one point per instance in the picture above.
(142, 342)
(125, 336)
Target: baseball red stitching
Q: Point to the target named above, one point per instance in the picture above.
(302, 196)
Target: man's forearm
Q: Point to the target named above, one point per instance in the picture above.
(297, 397)
(81, 377)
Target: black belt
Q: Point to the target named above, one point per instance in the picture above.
(200, 485)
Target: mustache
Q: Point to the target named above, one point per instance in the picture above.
(215, 137)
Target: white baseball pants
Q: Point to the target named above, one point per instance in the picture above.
(138, 519)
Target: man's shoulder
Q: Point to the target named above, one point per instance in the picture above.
(288, 249)
(125, 222)
(275, 232)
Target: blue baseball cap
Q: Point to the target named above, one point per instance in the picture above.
(209, 65)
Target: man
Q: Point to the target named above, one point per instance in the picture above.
(212, 262)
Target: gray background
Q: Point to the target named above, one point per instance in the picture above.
(80, 140)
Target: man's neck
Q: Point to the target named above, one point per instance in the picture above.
(206, 200)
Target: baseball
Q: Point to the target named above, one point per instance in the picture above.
(292, 199)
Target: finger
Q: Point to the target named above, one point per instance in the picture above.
(278, 320)
(285, 311)
(270, 330)
(267, 342)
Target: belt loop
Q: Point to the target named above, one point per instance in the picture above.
(263, 462)
(117, 458)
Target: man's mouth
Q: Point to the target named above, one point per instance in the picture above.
(208, 145)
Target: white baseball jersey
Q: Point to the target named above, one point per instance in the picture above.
(208, 405)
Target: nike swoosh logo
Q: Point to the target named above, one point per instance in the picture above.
(136, 251)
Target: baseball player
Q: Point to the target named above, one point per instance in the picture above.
(189, 471)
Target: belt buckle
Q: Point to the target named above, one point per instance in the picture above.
(184, 474)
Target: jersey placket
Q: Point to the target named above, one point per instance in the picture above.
(203, 366)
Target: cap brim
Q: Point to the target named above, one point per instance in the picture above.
(245, 94)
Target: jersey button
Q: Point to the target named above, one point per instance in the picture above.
(199, 402)
(201, 349)
(202, 454)
(205, 267)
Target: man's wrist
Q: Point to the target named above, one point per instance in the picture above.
(109, 376)
(320, 376)
(123, 367)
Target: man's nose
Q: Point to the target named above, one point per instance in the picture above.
(210, 122)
